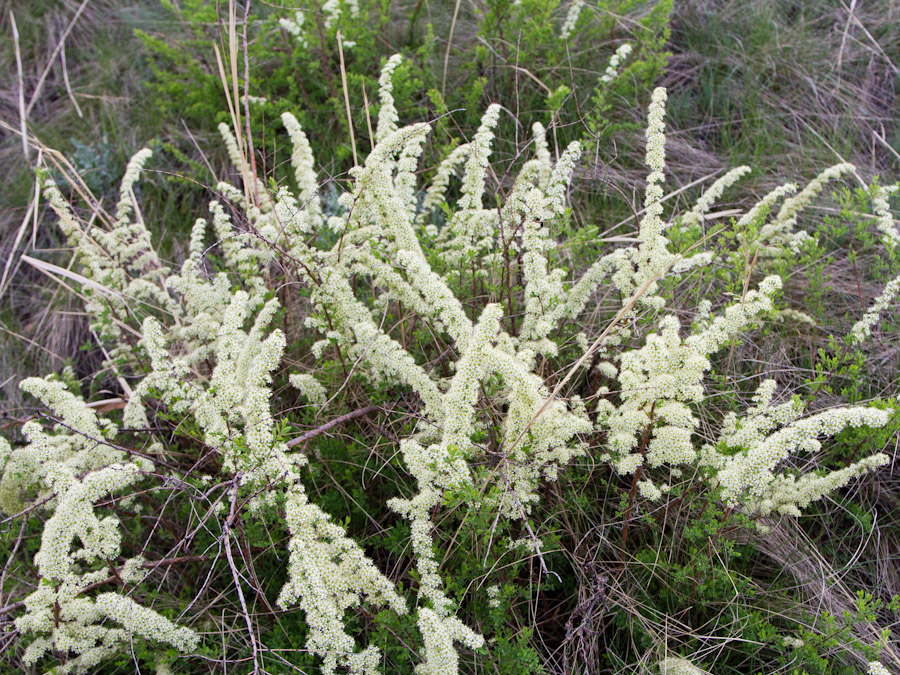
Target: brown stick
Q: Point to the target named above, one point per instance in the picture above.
(362, 412)
(226, 535)
(637, 476)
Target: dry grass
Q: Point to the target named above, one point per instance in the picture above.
(789, 86)
(821, 587)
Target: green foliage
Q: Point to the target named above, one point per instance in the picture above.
(515, 54)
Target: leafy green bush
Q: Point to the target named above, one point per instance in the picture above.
(512, 51)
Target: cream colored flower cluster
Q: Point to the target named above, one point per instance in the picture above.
(884, 218)
(332, 10)
(659, 380)
(82, 445)
(294, 26)
(310, 387)
(545, 294)
(572, 15)
(652, 254)
(638, 270)
(751, 447)
(305, 174)
(439, 635)
(712, 195)
(438, 467)
(779, 234)
(232, 406)
(328, 574)
(73, 469)
(542, 151)
(862, 329)
(387, 115)
(472, 227)
(436, 193)
(616, 60)
(677, 666)
(122, 269)
(331, 15)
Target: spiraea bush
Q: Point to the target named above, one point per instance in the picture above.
(416, 429)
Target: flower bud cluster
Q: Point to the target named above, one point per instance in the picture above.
(616, 60)
(571, 21)
(660, 379)
(769, 434)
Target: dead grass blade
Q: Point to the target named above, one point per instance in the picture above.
(23, 113)
(60, 46)
(232, 97)
(347, 98)
(65, 71)
(5, 279)
(58, 273)
(449, 44)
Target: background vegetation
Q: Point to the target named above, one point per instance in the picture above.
(786, 87)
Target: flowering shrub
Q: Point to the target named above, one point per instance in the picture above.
(492, 416)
